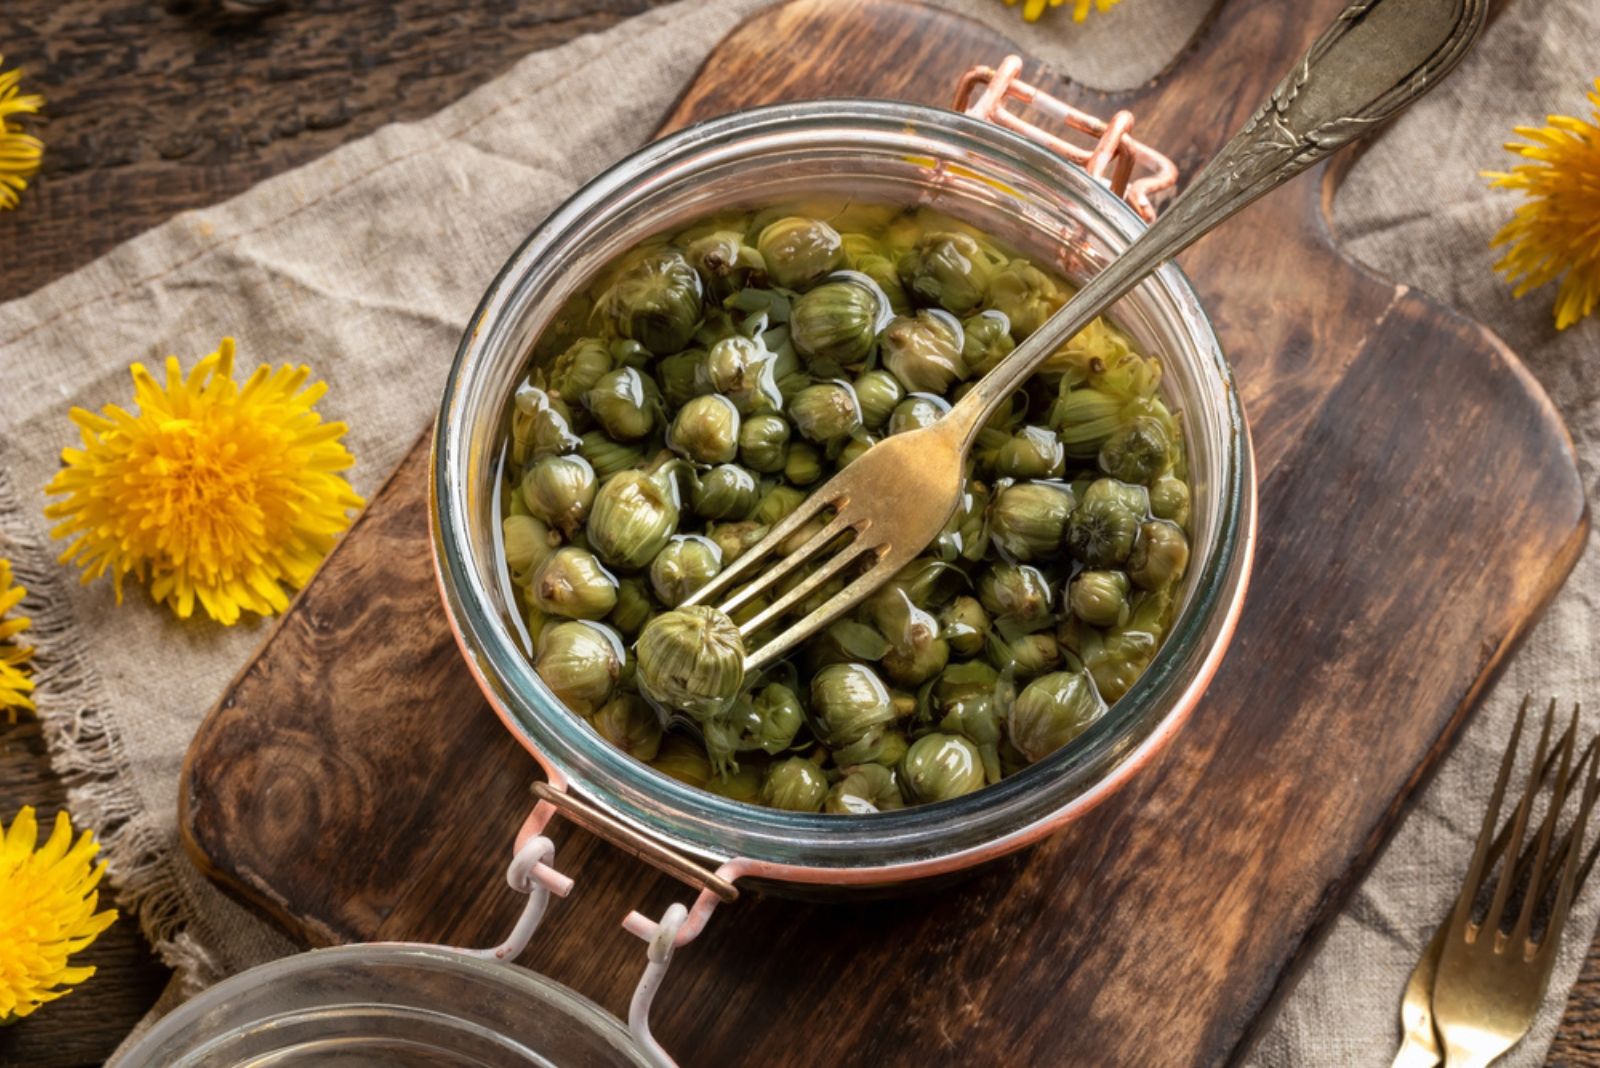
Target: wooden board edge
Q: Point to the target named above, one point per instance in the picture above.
(188, 834)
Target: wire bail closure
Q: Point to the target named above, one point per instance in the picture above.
(531, 872)
(1137, 172)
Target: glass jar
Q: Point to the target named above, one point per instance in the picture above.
(399, 1005)
(1037, 202)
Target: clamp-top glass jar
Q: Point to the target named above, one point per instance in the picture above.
(1026, 197)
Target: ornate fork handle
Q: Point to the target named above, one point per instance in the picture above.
(1377, 57)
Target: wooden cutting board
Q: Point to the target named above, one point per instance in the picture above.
(1419, 505)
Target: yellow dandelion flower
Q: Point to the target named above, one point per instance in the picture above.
(47, 902)
(209, 490)
(1556, 232)
(1032, 9)
(19, 152)
(15, 685)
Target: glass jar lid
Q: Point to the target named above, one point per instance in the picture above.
(394, 1004)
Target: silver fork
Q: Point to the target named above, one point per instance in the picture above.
(1490, 983)
(893, 500)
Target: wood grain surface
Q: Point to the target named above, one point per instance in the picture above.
(157, 108)
(352, 783)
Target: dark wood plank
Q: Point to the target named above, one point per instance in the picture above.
(352, 782)
(155, 108)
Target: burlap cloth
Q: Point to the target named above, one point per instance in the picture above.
(367, 262)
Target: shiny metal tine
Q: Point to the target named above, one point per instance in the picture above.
(1569, 873)
(757, 552)
(1558, 855)
(1558, 801)
(831, 609)
(1496, 914)
(1461, 918)
(782, 567)
(824, 571)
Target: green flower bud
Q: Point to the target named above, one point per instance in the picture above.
(923, 351)
(656, 302)
(576, 370)
(948, 269)
(526, 542)
(836, 325)
(740, 368)
(966, 699)
(853, 449)
(825, 412)
(681, 376)
(634, 516)
(631, 725)
(798, 252)
(880, 745)
(683, 759)
(1117, 661)
(764, 443)
(1099, 598)
(1138, 453)
(1028, 519)
(580, 662)
(865, 788)
(1105, 525)
(1084, 419)
(986, 340)
(688, 562)
(778, 502)
(607, 457)
(691, 660)
(1016, 594)
(724, 261)
(572, 583)
(939, 767)
(912, 666)
(541, 425)
(964, 625)
(1169, 499)
(1026, 655)
(866, 256)
(1032, 452)
(796, 784)
(559, 490)
(966, 533)
(917, 411)
(849, 700)
(778, 719)
(803, 465)
(625, 352)
(634, 606)
(734, 538)
(1025, 295)
(727, 491)
(624, 402)
(706, 430)
(1161, 556)
(741, 784)
(877, 392)
(1051, 711)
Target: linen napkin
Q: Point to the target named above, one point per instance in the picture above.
(367, 263)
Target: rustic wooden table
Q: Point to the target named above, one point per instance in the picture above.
(158, 107)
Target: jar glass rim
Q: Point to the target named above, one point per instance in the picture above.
(797, 843)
